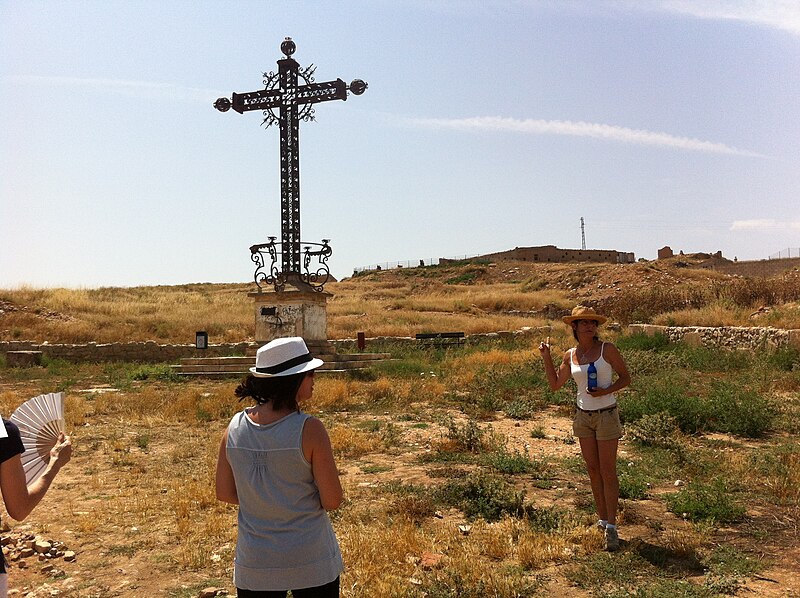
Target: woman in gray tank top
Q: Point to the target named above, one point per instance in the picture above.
(277, 464)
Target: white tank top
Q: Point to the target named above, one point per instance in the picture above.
(605, 378)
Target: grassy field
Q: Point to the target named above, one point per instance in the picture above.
(461, 475)
(462, 478)
(468, 297)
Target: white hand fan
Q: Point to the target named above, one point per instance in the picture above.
(40, 420)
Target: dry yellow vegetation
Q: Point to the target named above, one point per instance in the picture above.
(468, 297)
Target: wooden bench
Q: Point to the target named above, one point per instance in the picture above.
(439, 339)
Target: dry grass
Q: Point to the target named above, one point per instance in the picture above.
(165, 313)
(467, 297)
(137, 502)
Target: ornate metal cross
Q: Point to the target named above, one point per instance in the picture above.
(293, 102)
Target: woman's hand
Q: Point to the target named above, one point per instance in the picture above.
(61, 453)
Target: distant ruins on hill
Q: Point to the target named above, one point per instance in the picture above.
(752, 268)
(554, 255)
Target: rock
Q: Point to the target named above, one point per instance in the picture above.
(210, 592)
(42, 546)
(69, 556)
(430, 560)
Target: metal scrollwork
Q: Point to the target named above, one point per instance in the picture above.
(318, 277)
(266, 258)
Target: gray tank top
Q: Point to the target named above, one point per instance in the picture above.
(285, 538)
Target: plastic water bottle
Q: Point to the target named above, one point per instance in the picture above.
(591, 373)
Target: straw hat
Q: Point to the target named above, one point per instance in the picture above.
(284, 357)
(581, 312)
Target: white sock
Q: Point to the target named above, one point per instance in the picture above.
(611, 526)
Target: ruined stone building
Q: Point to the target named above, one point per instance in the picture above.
(553, 254)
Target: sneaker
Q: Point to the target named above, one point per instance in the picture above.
(601, 525)
(611, 539)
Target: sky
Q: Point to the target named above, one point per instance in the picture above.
(486, 126)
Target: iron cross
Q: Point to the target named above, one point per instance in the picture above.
(294, 102)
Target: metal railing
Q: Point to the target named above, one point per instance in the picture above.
(411, 263)
(785, 253)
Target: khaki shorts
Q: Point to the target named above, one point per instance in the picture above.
(601, 426)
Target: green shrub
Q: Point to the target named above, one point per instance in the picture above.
(785, 359)
(656, 429)
(513, 463)
(713, 359)
(643, 342)
(736, 410)
(538, 432)
(482, 495)
(665, 588)
(642, 362)
(161, 372)
(701, 501)
(666, 394)
(522, 409)
(727, 560)
(548, 519)
(632, 484)
(469, 437)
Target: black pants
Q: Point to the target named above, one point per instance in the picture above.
(329, 590)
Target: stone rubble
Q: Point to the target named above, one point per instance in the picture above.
(20, 546)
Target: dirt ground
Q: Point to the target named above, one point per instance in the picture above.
(125, 551)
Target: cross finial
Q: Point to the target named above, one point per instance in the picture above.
(288, 47)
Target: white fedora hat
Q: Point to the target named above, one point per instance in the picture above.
(284, 357)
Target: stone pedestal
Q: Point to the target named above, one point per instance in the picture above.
(298, 310)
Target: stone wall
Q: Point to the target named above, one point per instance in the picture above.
(551, 253)
(728, 337)
(152, 352)
(144, 352)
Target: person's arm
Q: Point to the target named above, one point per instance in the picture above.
(19, 498)
(225, 483)
(555, 378)
(319, 452)
(612, 355)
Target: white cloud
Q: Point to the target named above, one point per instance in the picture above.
(765, 224)
(777, 14)
(580, 129)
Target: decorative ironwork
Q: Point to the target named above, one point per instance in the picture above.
(294, 102)
(265, 256)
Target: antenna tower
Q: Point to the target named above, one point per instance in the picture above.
(583, 236)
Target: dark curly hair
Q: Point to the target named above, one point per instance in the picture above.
(281, 390)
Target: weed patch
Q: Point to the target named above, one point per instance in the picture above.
(482, 495)
(706, 501)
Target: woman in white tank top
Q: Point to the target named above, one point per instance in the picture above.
(596, 423)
